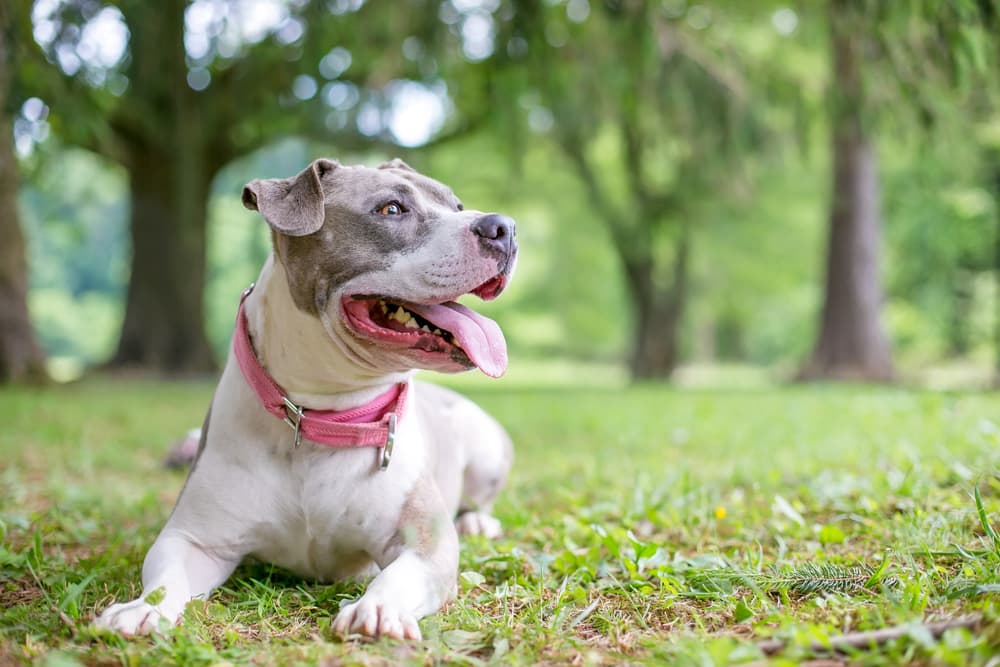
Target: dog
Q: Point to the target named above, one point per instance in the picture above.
(319, 452)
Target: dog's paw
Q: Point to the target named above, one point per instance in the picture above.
(133, 618)
(478, 523)
(376, 618)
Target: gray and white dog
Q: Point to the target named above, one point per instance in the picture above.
(358, 293)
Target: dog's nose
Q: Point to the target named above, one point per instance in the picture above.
(495, 232)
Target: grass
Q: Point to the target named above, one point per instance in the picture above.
(643, 525)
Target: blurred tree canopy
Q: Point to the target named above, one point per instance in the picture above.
(196, 86)
(654, 115)
(667, 162)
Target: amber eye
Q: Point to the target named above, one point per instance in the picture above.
(392, 208)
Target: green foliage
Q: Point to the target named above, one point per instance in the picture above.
(732, 128)
(74, 220)
(940, 216)
(814, 579)
(807, 579)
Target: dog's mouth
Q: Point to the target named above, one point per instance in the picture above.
(445, 335)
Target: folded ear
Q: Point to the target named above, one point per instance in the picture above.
(292, 206)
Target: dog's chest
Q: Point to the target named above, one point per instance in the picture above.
(335, 508)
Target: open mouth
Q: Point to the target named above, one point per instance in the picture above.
(445, 334)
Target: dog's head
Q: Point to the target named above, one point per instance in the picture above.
(379, 255)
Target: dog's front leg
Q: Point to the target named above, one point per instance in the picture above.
(175, 571)
(419, 574)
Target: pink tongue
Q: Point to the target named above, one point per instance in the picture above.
(480, 336)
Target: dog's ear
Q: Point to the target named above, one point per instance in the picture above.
(292, 206)
(396, 163)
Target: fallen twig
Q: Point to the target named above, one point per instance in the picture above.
(64, 617)
(860, 640)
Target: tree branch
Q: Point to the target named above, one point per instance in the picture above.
(620, 233)
(671, 42)
(861, 640)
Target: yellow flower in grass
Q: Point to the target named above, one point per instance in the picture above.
(720, 512)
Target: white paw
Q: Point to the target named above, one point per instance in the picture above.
(376, 618)
(133, 618)
(478, 523)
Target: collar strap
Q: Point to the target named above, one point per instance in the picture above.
(370, 425)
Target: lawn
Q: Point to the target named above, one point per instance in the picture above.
(643, 525)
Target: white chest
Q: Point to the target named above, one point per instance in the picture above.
(331, 509)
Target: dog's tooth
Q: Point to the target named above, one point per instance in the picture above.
(437, 332)
(454, 341)
(425, 329)
(385, 308)
(412, 324)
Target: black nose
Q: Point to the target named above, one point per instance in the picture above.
(496, 232)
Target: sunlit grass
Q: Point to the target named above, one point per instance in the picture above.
(641, 525)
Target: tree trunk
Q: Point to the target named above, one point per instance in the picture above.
(21, 357)
(170, 167)
(164, 327)
(658, 315)
(959, 312)
(851, 344)
(994, 161)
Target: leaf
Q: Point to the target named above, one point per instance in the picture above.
(72, 595)
(584, 614)
(878, 574)
(61, 659)
(156, 596)
(831, 535)
(218, 611)
(742, 612)
(465, 641)
(501, 647)
(969, 588)
(471, 579)
(985, 521)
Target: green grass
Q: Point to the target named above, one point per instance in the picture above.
(643, 525)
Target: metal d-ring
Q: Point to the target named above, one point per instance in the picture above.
(385, 451)
(293, 417)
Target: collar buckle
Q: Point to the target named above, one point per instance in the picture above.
(385, 451)
(293, 417)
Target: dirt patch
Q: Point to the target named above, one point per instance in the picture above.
(8, 658)
(19, 592)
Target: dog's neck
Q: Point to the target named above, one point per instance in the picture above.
(298, 353)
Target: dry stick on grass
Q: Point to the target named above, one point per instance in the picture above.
(862, 640)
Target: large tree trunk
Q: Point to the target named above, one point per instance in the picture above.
(164, 327)
(21, 357)
(658, 314)
(170, 170)
(851, 344)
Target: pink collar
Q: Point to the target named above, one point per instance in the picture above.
(370, 425)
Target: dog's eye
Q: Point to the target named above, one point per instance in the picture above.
(459, 206)
(392, 208)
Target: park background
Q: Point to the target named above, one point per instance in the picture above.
(754, 329)
(671, 166)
